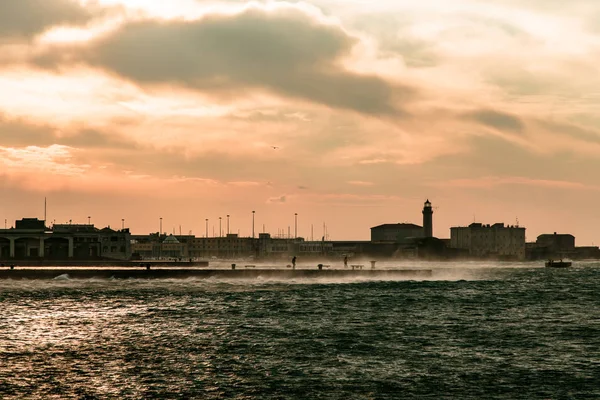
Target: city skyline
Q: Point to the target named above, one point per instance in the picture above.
(346, 113)
(221, 226)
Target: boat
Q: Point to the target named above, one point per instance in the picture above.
(558, 264)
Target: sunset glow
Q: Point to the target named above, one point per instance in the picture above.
(348, 113)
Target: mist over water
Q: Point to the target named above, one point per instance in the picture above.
(470, 331)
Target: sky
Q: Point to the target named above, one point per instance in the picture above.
(349, 114)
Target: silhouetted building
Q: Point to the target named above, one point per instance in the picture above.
(161, 246)
(31, 239)
(552, 246)
(405, 232)
(490, 241)
(557, 242)
(396, 233)
(586, 253)
(30, 224)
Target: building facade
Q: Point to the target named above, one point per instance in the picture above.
(31, 239)
(405, 232)
(157, 246)
(490, 241)
(395, 233)
(557, 243)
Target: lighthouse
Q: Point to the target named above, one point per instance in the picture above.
(427, 219)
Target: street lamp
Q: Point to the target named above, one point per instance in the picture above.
(160, 231)
(89, 220)
(296, 225)
(206, 227)
(228, 224)
(253, 223)
(122, 224)
(220, 230)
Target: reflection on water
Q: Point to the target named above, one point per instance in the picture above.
(466, 333)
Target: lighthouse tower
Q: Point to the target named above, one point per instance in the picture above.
(427, 220)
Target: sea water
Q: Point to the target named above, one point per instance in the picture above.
(481, 332)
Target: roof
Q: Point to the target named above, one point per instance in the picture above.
(398, 226)
(171, 239)
(549, 235)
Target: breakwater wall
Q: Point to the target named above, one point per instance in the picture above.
(31, 273)
(102, 263)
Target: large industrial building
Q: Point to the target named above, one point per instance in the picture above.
(490, 241)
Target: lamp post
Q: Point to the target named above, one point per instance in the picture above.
(160, 231)
(89, 220)
(122, 224)
(207, 227)
(228, 224)
(220, 230)
(295, 225)
(253, 212)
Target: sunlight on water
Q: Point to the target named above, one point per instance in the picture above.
(466, 332)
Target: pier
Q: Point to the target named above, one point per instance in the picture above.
(183, 273)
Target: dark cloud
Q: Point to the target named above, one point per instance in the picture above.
(26, 18)
(90, 138)
(497, 120)
(286, 52)
(17, 133)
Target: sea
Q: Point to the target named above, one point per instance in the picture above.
(470, 331)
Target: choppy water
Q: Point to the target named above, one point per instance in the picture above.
(514, 333)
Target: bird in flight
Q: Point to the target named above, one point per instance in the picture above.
(275, 147)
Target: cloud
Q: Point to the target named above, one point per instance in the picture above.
(277, 200)
(572, 130)
(246, 184)
(360, 183)
(489, 182)
(284, 49)
(55, 159)
(497, 120)
(16, 132)
(27, 18)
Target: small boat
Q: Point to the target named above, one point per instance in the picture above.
(558, 264)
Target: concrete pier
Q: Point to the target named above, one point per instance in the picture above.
(164, 273)
(93, 264)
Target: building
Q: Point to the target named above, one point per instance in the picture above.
(396, 233)
(490, 241)
(557, 243)
(551, 246)
(161, 246)
(405, 232)
(31, 239)
(231, 246)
